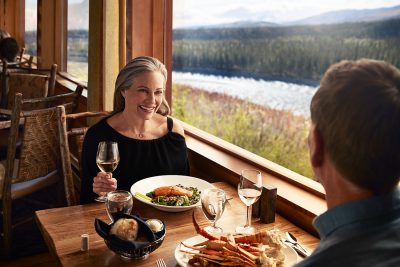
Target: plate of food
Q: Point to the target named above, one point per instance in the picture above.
(183, 254)
(172, 193)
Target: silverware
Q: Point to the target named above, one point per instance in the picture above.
(293, 241)
(160, 263)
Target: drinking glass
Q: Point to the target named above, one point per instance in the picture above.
(213, 202)
(118, 202)
(249, 189)
(107, 160)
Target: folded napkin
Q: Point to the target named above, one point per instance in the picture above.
(103, 229)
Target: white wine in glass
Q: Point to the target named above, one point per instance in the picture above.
(107, 160)
(249, 189)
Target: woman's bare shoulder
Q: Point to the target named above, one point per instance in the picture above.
(178, 128)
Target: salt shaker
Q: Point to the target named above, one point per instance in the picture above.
(84, 242)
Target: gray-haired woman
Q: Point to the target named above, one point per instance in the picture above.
(149, 142)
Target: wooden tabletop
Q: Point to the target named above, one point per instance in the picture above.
(62, 229)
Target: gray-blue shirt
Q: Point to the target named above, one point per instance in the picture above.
(359, 233)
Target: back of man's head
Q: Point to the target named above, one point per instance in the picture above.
(9, 49)
(357, 111)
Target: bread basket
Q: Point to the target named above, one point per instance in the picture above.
(131, 249)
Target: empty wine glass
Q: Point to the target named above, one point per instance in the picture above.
(249, 189)
(107, 160)
(118, 202)
(213, 202)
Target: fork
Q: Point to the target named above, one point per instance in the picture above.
(160, 263)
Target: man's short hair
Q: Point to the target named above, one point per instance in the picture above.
(357, 112)
(9, 49)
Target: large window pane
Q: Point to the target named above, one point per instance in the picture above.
(31, 27)
(78, 36)
(246, 71)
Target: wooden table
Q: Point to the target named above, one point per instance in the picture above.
(62, 229)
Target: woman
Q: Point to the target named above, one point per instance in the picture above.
(149, 142)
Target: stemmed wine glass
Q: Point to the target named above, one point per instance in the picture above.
(213, 202)
(118, 202)
(107, 160)
(249, 188)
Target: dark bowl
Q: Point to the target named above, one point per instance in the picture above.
(138, 253)
(131, 249)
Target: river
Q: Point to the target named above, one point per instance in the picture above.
(274, 94)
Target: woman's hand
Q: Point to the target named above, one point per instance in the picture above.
(104, 183)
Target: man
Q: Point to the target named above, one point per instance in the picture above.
(354, 144)
(9, 49)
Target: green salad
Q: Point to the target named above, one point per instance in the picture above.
(176, 200)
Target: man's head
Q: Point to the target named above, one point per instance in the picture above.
(356, 111)
(9, 49)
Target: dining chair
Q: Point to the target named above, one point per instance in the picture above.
(68, 100)
(32, 83)
(73, 128)
(37, 167)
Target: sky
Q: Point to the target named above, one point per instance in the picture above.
(31, 16)
(188, 13)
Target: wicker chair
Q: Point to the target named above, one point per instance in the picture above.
(39, 163)
(73, 129)
(31, 83)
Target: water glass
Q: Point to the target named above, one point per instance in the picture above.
(249, 189)
(213, 202)
(118, 202)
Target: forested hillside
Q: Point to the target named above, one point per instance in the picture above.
(294, 52)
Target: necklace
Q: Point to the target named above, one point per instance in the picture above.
(138, 134)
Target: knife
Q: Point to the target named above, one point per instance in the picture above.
(297, 249)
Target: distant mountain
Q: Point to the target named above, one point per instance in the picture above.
(243, 24)
(332, 17)
(350, 15)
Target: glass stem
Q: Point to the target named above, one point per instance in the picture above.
(248, 221)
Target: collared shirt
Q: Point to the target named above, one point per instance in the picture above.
(359, 233)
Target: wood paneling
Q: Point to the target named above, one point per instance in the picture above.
(12, 19)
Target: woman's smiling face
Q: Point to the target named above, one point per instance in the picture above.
(145, 96)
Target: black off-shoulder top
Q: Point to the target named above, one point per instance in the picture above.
(139, 159)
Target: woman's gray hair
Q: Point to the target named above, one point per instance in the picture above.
(127, 75)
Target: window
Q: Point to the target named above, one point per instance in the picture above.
(78, 36)
(246, 71)
(31, 27)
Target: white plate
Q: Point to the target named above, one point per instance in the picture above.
(183, 258)
(149, 184)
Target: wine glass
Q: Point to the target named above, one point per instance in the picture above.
(118, 202)
(107, 160)
(249, 189)
(213, 202)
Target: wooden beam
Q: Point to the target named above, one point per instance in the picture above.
(52, 33)
(103, 53)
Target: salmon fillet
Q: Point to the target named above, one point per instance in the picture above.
(172, 191)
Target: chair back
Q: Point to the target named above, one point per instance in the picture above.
(29, 85)
(39, 149)
(32, 83)
(68, 100)
(73, 128)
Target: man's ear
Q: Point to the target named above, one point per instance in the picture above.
(316, 147)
